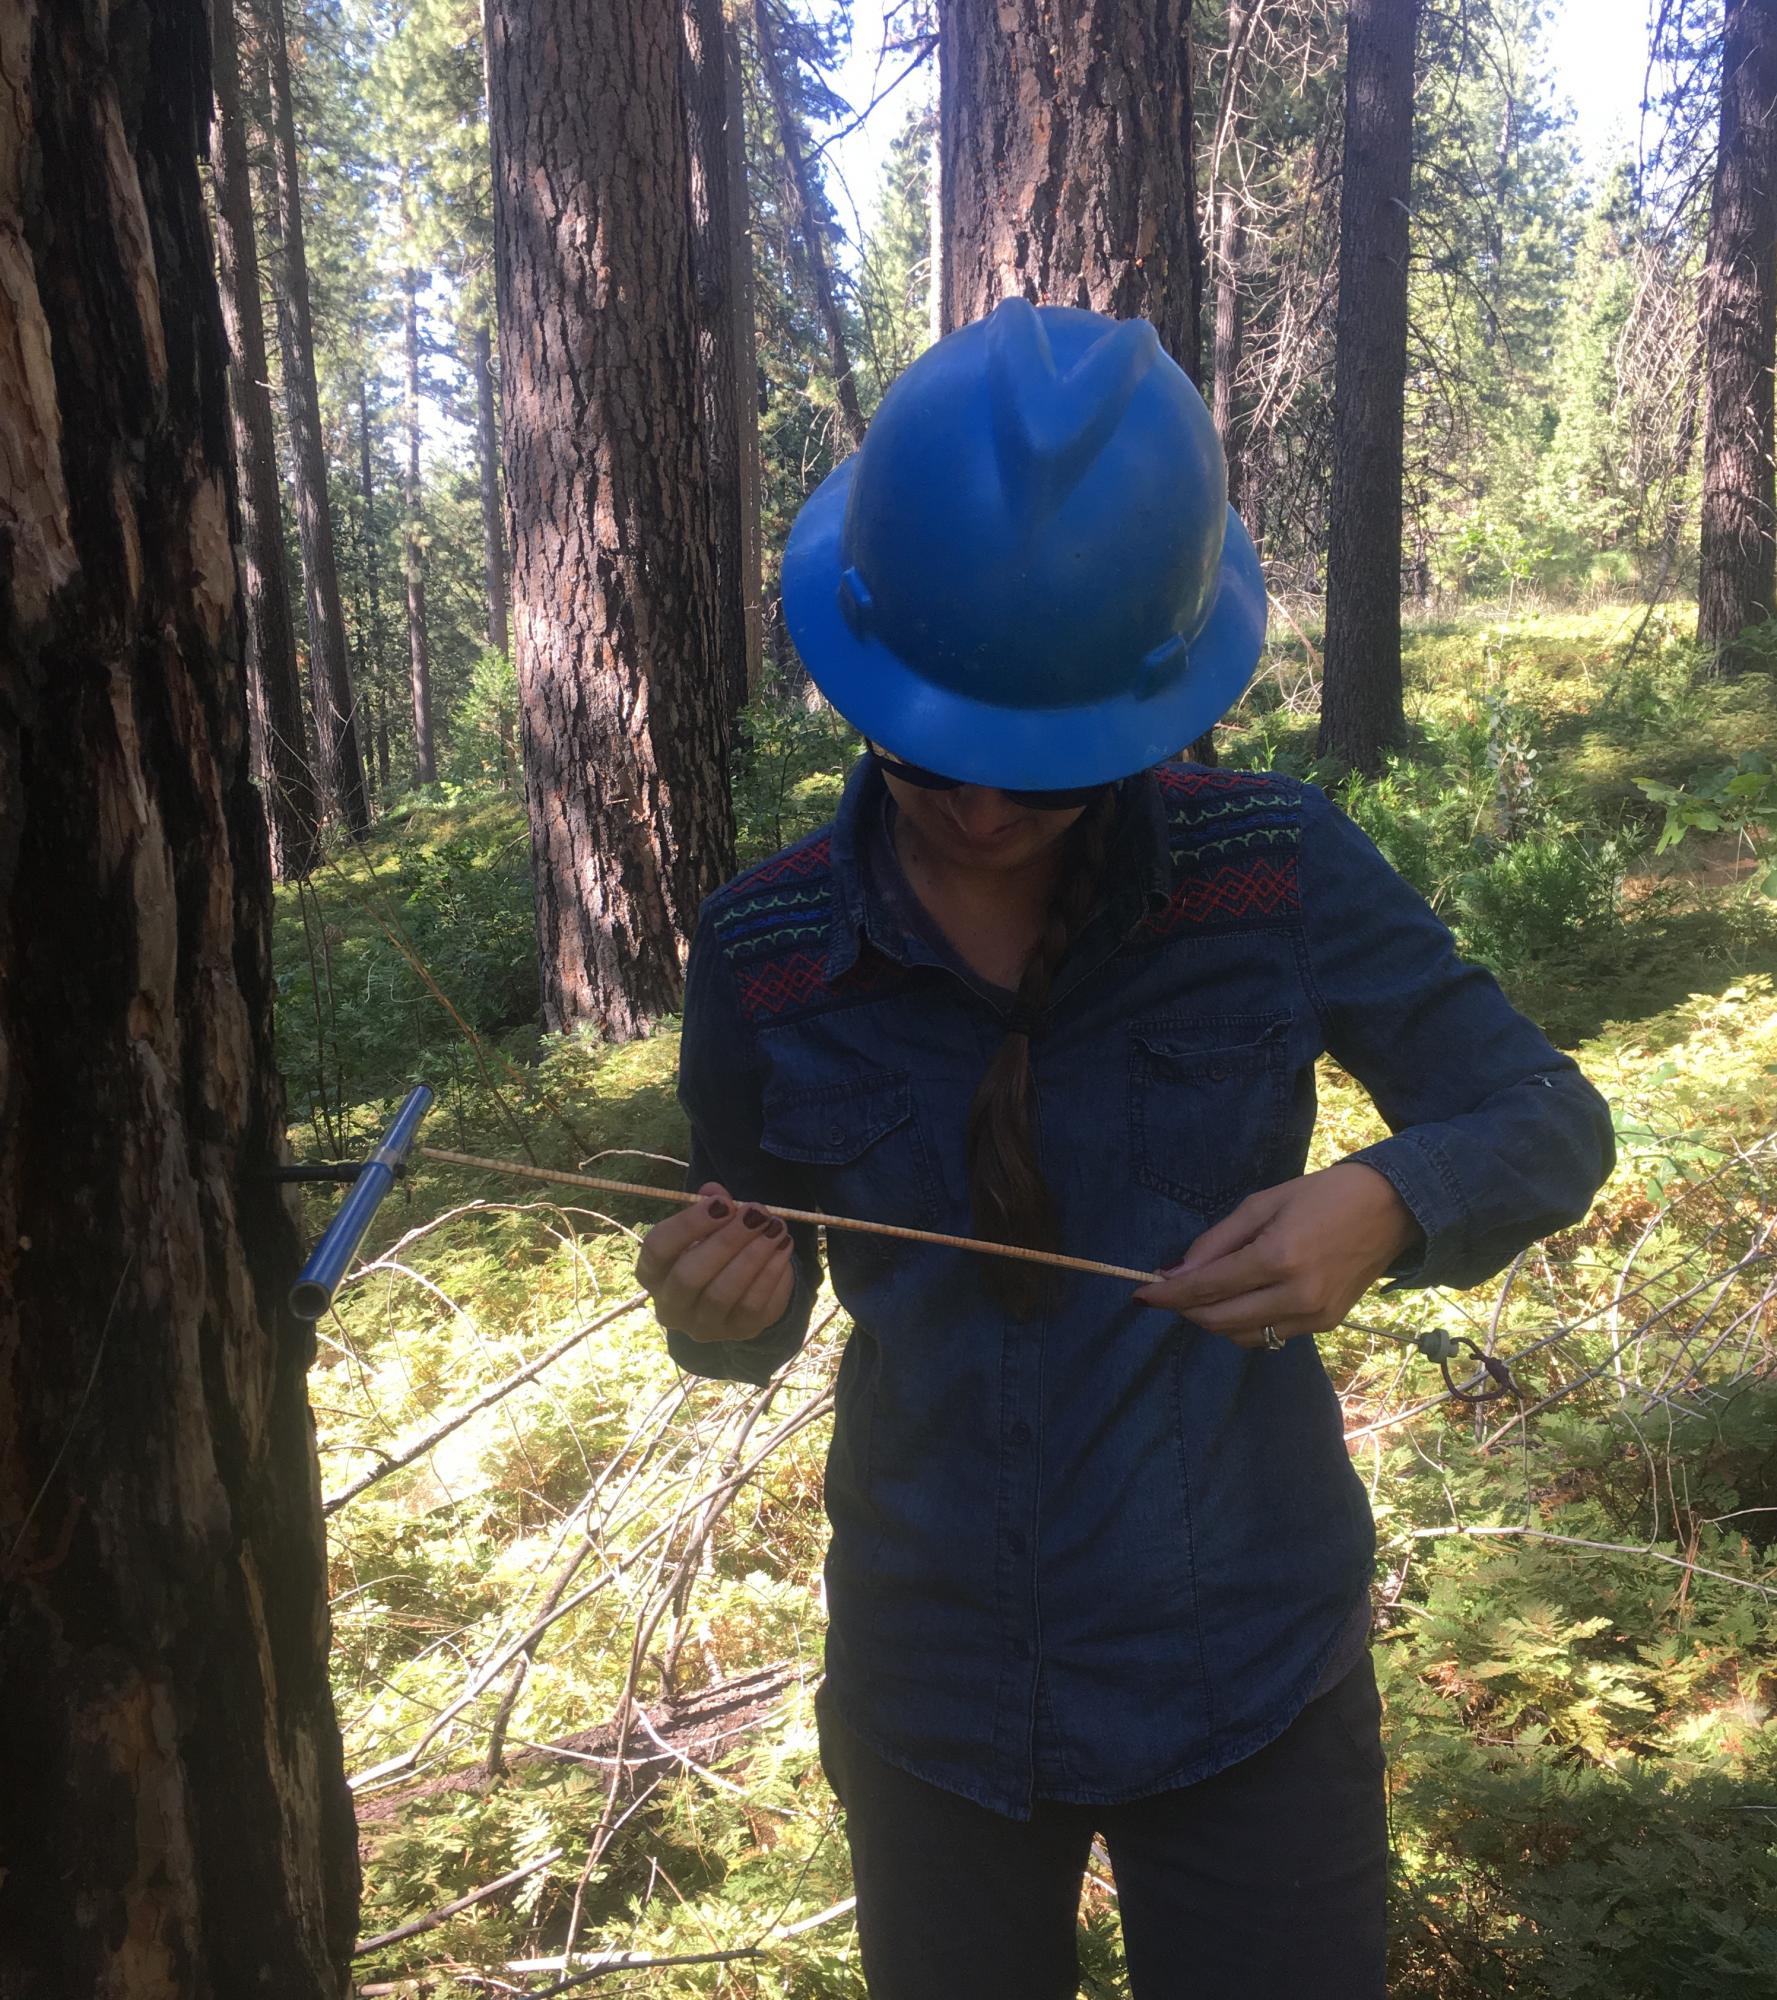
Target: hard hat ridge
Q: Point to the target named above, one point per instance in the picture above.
(1048, 425)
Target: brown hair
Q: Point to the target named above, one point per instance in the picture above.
(1010, 1198)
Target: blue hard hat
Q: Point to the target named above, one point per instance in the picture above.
(1028, 575)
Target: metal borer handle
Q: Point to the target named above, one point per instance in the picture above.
(313, 1291)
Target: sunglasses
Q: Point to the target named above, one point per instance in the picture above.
(930, 781)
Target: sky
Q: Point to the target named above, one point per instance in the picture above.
(1599, 51)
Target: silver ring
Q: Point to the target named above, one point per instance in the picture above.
(1272, 1343)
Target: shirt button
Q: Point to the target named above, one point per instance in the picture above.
(1020, 1432)
(836, 1134)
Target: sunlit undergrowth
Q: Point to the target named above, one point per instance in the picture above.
(1575, 1587)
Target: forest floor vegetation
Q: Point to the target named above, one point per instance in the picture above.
(1575, 1588)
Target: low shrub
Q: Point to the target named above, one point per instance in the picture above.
(1540, 897)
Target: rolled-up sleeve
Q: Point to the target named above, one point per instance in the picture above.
(1498, 1138)
(720, 1090)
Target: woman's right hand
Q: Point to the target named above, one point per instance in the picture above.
(718, 1270)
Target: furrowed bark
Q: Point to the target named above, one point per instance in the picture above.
(274, 688)
(493, 535)
(419, 653)
(1361, 711)
(330, 681)
(1737, 572)
(622, 698)
(1067, 173)
(714, 267)
(176, 1822)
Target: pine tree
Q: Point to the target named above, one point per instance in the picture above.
(177, 1818)
(622, 695)
(801, 431)
(1270, 109)
(1494, 196)
(330, 682)
(777, 44)
(1737, 576)
(1068, 173)
(1361, 712)
(274, 689)
(895, 274)
(724, 334)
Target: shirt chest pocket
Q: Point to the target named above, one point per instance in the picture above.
(858, 1145)
(1208, 1105)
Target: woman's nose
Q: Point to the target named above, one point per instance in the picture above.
(980, 809)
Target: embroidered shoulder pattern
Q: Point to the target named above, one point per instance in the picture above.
(773, 926)
(1233, 838)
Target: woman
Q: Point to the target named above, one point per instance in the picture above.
(1100, 1563)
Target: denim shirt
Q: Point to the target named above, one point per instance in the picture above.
(1095, 1553)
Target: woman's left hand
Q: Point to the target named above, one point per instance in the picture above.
(1296, 1257)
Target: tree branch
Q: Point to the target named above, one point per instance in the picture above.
(486, 1400)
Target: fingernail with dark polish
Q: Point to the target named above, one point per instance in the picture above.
(774, 1228)
(720, 1211)
(754, 1218)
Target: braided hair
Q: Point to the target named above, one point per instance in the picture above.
(1012, 1202)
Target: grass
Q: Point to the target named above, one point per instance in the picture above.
(1584, 1760)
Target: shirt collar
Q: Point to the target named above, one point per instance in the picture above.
(1141, 864)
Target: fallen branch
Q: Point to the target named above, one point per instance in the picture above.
(484, 1676)
(485, 1401)
(607, 1961)
(434, 1918)
(688, 1732)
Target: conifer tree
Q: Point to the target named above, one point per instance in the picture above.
(274, 689)
(1361, 713)
(1737, 578)
(778, 57)
(622, 695)
(895, 276)
(724, 334)
(176, 1818)
(330, 682)
(1068, 173)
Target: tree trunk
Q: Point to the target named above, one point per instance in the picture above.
(1737, 576)
(419, 657)
(176, 1817)
(1361, 712)
(382, 746)
(1067, 161)
(1230, 246)
(1230, 340)
(937, 282)
(330, 680)
(713, 270)
(372, 587)
(622, 697)
(744, 322)
(493, 537)
(274, 688)
(805, 226)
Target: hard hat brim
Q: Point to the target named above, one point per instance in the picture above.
(990, 743)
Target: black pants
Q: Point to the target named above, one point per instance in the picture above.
(1265, 1882)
